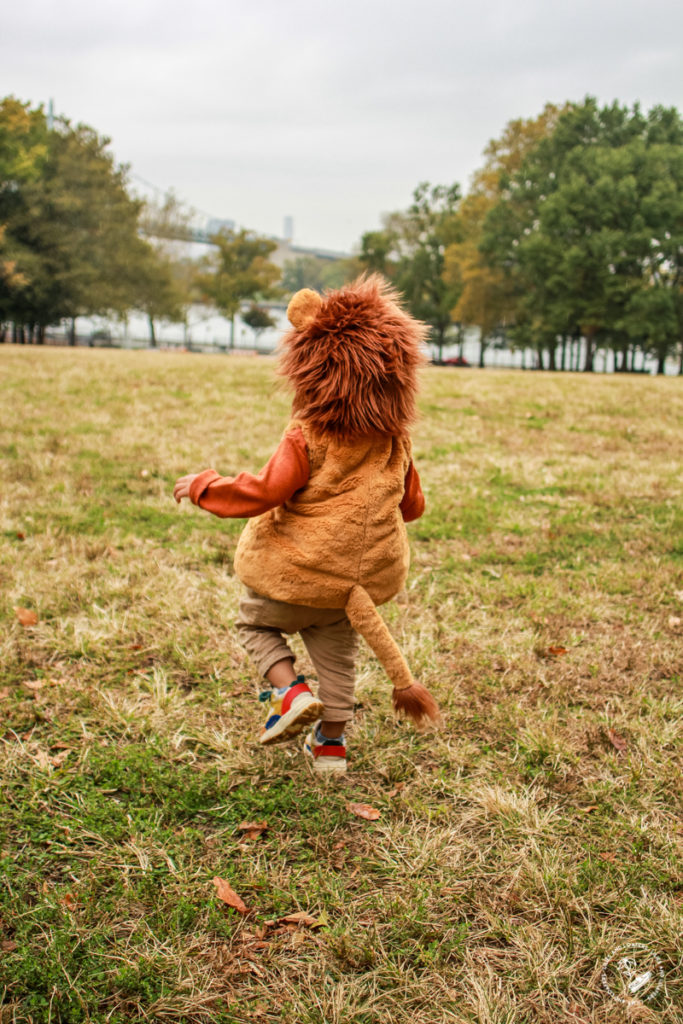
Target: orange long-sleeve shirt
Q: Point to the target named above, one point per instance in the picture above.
(286, 472)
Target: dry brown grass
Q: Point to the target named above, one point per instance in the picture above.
(515, 850)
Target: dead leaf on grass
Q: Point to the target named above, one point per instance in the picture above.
(609, 857)
(4, 692)
(301, 917)
(587, 810)
(364, 811)
(57, 760)
(34, 684)
(396, 790)
(69, 901)
(227, 894)
(252, 829)
(556, 652)
(617, 741)
(8, 945)
(675, 621)
(26, 617)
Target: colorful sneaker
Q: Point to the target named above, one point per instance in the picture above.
(289, 711)
(326, 755)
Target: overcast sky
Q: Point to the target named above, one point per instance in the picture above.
(329, 112)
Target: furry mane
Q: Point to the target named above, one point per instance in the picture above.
(354, 366)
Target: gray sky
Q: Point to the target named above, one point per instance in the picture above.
(331, 113)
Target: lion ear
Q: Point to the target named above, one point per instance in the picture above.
(303, 308)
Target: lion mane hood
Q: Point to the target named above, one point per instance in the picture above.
(352, 358)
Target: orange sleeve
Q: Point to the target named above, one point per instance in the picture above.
(246, 495)
(413, 503)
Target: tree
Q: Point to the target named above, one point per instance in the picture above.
(487, 298)
(258, 319)
(317, 273)
(73, 227)
(590, 223)
(410, 250)
(23, 148)
(238, 271)
(167, 283)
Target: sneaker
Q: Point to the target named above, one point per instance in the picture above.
(329, 756)
(289, 712)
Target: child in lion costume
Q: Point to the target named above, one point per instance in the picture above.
(326, 540)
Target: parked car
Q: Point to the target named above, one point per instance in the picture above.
(453, 361)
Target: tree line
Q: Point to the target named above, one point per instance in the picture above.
(569, 241)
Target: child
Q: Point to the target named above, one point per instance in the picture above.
(326, 541)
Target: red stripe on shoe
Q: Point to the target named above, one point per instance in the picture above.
(329, 751)
(293, 692)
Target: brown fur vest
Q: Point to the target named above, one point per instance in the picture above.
(344, 528)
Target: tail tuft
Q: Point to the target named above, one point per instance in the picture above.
(417, 702)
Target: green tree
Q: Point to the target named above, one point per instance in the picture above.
(590, 223)
(238, 271)
(258, 318)
(487, 299)
(167, 282)
(76, 231)
(317, 273)
(23, 149)
(410, 250)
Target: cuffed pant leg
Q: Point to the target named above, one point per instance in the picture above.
(263, 643)
(333, 647)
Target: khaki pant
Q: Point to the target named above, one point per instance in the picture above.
(330, 640)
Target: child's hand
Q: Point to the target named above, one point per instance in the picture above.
(182, 486)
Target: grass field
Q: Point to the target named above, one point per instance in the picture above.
(515, 851)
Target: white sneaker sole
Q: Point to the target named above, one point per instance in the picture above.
(305, 709)
(323, 765)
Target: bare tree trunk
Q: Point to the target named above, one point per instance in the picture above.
(72, 331)
(590, 352)
(40, 337)
(564, 352)
(680, 365)
(3, 333)
(551, 356)
(152, 334)
(482, 348)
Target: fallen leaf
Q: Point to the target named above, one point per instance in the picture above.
(301, 917)
(68, 901)
(587, 810)
(21, 535)
(57, 760)
(678, 594)
(252, 829)
(341, 845)
(4, 692)
(617, 741)
(364, 811)
(675, 620)
(610, 857)
(26, 617)
(396, 790)
(34, 684)
(556, 652)
(227, 894)
(8, 945)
